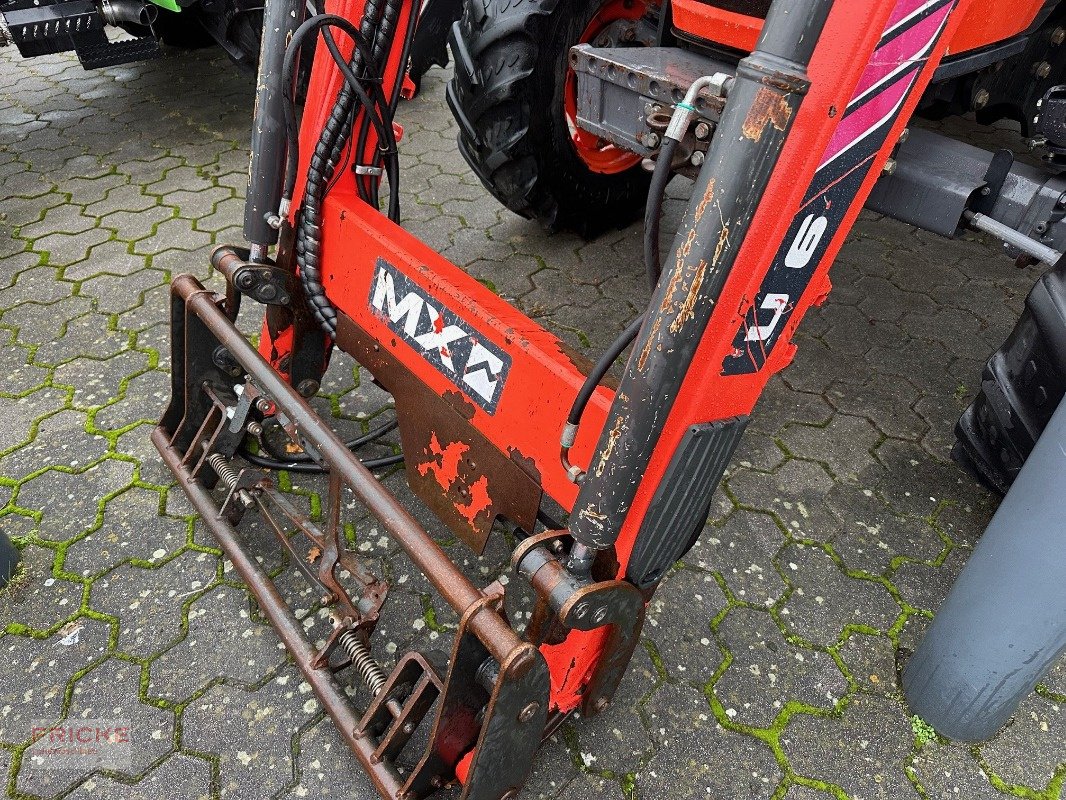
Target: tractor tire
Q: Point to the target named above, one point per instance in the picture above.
(509, 97)
(1021, 386)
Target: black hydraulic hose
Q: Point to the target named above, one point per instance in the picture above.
(610, 355)
(654, 210)
(312, 469)
(323, 163)
(310, 27)
(354, 444)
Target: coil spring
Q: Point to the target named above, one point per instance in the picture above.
(226, 473)
(363, 662)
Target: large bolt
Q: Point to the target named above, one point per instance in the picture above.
(1058, 36)
(1042, 69)
(980, 100)
(702, 131)
(697, 158)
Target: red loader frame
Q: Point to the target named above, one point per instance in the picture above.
(482, 394)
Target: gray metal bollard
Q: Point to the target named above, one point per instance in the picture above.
(9, 559)
(1003, 625)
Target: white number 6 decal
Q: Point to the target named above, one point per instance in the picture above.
(806, 242)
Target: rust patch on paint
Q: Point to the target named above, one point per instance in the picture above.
(768, 108)
(687, 310)
(652, 334)
(612, 440)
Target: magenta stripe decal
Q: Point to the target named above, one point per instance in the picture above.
(912, 32)
(905, 9)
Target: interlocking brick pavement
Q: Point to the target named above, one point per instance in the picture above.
(768, 665)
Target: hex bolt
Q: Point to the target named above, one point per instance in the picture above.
(527, 713)
(264, 406)
(1058, 36)
(308, 387)
(1042, 69)
(697, 159)
(600, 704)
(890, 167)
(980, 100)
(905, 135)
(702, 131)
(254, 428)
(650, 140)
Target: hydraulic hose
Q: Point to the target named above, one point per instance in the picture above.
(324, 162)
(653, 211)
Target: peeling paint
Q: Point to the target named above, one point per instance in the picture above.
(479, 502)
(612, 439)
(768, 108)
(687, 310)
(444, 462)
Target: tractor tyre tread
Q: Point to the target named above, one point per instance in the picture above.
(510, 63)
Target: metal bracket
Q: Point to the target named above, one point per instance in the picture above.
(582, 604)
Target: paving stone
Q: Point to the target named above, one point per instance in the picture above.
(221, 615)
(1020, 755)
(741, 550)
(149, 603)
(688, 653)
(131, 528)
(872, 536)
(178, 776)
(60, 440)
(871, 662)
(767, 672)
(108, 691)
(947, 772)
(795, 493)
(825, 599)
(96, 383)
(697, 757)
(252, 733)
(45, 669)
(39, 601)
(70, 501)
(88, 335)
(870, 744)
(326, 767)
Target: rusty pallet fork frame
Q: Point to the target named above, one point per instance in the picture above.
(718, 327)
(494, 690)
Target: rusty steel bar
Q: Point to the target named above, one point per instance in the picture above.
(386, 780)
(454, 587)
